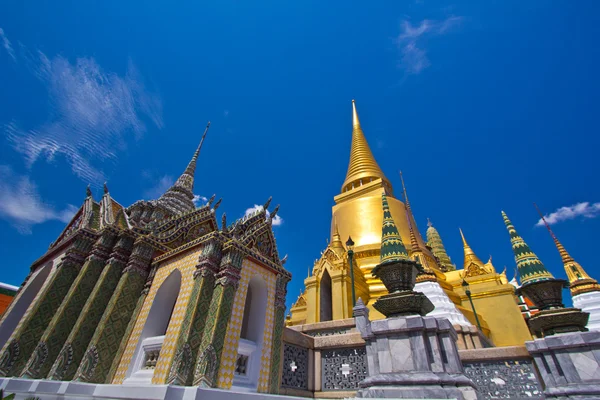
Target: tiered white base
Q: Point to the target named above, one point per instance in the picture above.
(444, 307)
(55, 390)
(590, 303)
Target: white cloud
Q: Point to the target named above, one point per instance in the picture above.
(199, 200)
(413, 56)
(21, 205)
(93, 113)
(160, 187)
(7, 46)
(276, 221)
(584, 209)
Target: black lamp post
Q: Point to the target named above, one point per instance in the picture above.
(350, 247)
(465, 286)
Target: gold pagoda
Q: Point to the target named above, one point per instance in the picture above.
(357, 214)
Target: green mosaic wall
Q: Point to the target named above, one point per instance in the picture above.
(105, 343)
(72, 352)
(278, 324)
(190, 336)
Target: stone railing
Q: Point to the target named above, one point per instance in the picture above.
(145, 362)
(502, 373)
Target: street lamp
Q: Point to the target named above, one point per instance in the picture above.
(350, 247)
(465, 286)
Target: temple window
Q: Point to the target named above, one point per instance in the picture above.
(326, 306)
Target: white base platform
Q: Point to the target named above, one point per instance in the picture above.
(56, 390)
(444, 307)
(590, 303)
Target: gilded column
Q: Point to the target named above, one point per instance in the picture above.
(193, 324)
(23, 341)
(105, 343)
(211, 347)
(72, 352)
(63, 321)
(277, 338)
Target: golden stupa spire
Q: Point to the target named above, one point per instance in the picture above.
(579, 281)
(336, 240)
(413, 238)
(473, 266)
(362, 167)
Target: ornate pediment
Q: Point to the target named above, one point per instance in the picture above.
(177, 231)
(474, 269)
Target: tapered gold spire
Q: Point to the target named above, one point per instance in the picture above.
(579, 281)
(473, 266)
(362, 168)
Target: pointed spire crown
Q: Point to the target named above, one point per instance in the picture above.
(434, 240)
(530, 268)
(179, 199)
(392, 247)
(470, 256)
(362, 167)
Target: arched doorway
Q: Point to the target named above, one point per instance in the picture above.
(326, 306)
(250, 346)
(151, 339)
(23, 302)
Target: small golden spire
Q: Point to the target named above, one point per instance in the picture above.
(566, 257)
(413, 238)
(362, 167)
(336, 240)
(470, 259)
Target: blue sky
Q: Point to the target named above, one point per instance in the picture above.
(483, 107)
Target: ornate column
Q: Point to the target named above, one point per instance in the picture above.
(193, 324)
(277, 337)
(72, 351)
(211, 347)
(105, 343)
(17, 351)
(63, 321)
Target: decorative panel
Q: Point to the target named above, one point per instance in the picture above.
(343, 369)
(504, 379)
(295, 367)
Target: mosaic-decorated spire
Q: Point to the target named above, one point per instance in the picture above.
(580, 282)
(392, 248)
(529, 265)
(179, 198)
(434, 241)
(362, 165)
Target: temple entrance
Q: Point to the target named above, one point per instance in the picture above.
(23, 302)
(147, 352)
(247, 367)
(326, 306)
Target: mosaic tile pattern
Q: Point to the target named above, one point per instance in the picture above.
(72, 352)
(278, 325)
(186, 264)
(63, 321)
(229, 355)
(101, 352)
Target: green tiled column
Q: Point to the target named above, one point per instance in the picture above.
(211, 347)
(22, 343)
(103, 347)
(194, 321)
(277, 338)
(63, 321)
(70, 356)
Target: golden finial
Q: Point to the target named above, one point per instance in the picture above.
(362, 167)
(566, 257)
(470, 256)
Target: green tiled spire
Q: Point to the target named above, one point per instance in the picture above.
(392, 248)
(529, 265)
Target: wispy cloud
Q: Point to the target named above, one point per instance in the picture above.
(21, 205)
(276, 221)
(6, 44)
(225, 113)
(413, 56)
(199, 200)
(584, 210)
(93, 113)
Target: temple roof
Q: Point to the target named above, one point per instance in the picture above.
(362, 167)
(530, 268)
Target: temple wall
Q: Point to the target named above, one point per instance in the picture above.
(186, 264)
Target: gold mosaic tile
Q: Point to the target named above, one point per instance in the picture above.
(186, 264)
(228, 358)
